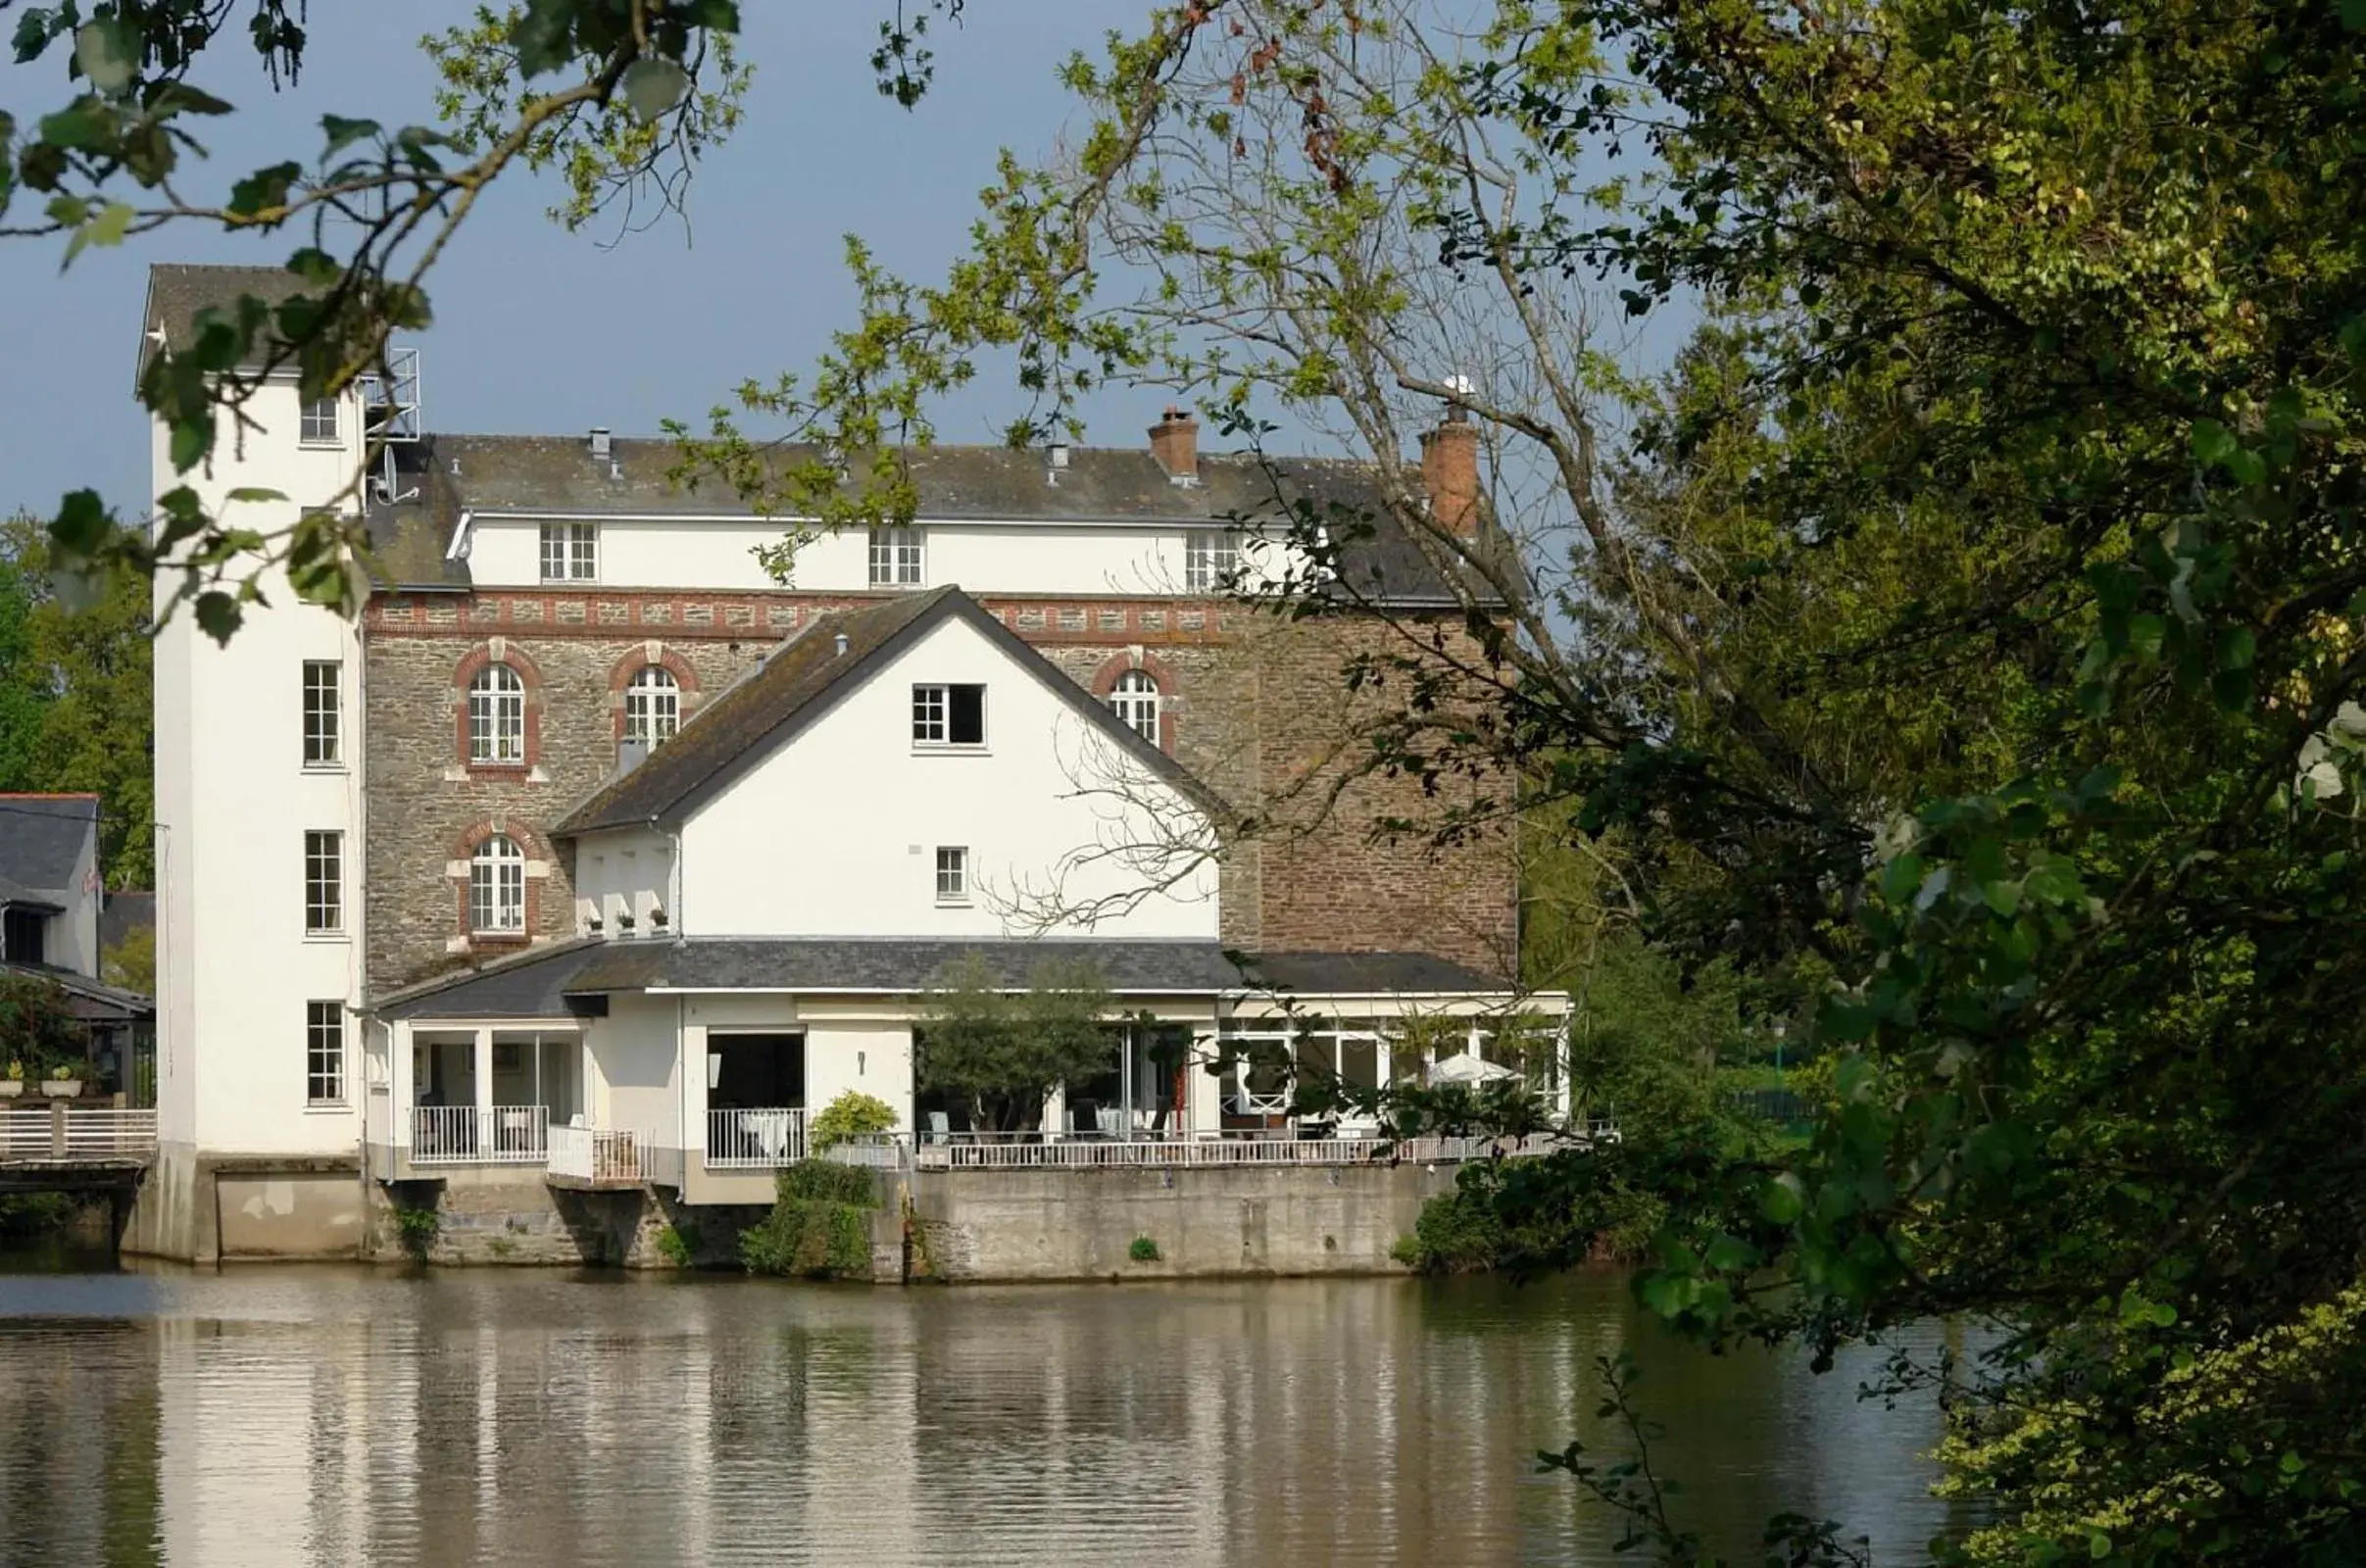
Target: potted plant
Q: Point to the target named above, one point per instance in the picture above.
(14, 1084)
(62, 1080)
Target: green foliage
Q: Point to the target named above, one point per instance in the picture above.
(1492, 1220)
(819, 1226)
(677, 1244)
(37, 1026)
(417, 1227)
(1142, 1250)
(853, 1114)
(75, 701)
(1006, 1053)
(131, 964)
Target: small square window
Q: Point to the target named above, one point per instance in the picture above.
(323, 883)
(318, 427)
(325, 1052)
(321, 740)
(952, 875)
(949, 715)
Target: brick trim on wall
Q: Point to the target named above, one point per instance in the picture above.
(497, 650)
(670, 660)
(1104, 684)
(1110, 620)
(537, 852)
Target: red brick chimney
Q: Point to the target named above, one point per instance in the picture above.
(1175, 442)
(1449, 472)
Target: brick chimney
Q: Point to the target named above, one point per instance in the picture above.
(1449, 472)
(1175, 442)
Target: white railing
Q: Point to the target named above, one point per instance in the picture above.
(63, 1133)
(478, 1135)
(754, 1140)
(598, 1154)
(1051, 1152)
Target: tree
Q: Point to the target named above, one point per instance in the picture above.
(1970, 627)
(81, 673)
(619, 97)
(37, 1026)
(1004, 1052)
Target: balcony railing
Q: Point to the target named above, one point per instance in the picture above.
(600, 1154)
(67, 1133)
(755, 1139)
(1033, 1151)
(480, 1135)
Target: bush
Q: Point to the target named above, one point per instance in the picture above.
(853, 1114)
(418, 1228)
(819, 1226)
(676, 1243)
(1464, 1230)
(1143, 1250)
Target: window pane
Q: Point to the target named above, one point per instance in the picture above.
(320, 738)
(497, 888)
(554, 552)
(1134, 701)
(497, 715)
(966, 720)
(928, 712)
(953, 874)
(325, 1052)
(582, 537)
(323, 881)
(653, 706)
(320, 420)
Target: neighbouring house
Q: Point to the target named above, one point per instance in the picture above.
(586, 818)
(51, 902)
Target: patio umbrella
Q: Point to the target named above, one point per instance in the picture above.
(1465, 1068)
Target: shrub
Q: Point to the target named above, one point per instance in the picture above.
(1464, 1230)
(418, 1228)
(853, 1114)
(819, 1226)
(1143, 1250)
(677, 1243)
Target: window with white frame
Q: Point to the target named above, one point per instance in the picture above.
(320, 713)
(497, 888)
(323, 883)
(497, 717)
(1211, 557)
(1135, 701)
(571, 552)
(952, 875)
(949, 715)
(895, 557)
(652, 706)
(325, 1052)
(317, 426)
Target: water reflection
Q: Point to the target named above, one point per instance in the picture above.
(298, 1416)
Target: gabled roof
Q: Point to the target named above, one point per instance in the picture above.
(801, 681)
(177, 291)
(42, 838)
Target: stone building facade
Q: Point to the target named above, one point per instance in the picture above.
(1255, 705)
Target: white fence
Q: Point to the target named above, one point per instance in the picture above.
(480, 1135)
(600, 1154)
(754, 1140)
(66, 1133)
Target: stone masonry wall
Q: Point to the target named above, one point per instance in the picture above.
(1256, 707)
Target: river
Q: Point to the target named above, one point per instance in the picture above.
(269, 1415)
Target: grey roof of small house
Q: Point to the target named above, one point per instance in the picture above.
(89, 1000)
(538, 983)
(42, 838)
(799, 683)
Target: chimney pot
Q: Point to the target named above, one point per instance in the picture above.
(1174, 441)
(599, 441)
(840, 642)
(1449, 472)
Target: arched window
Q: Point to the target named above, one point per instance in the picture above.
(497, 717)
(653, 706)
(1135, 701)
(497, 888)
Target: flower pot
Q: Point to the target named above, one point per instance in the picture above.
(11, 1087)
(62, 1087)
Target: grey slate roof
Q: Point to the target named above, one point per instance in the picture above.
(799, 683)
(177, 291)
(538, 985)
(41, 838)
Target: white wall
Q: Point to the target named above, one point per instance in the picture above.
(636, 1059)
(1021, 558)
(233, 802)
(626, 871)
(835, 833)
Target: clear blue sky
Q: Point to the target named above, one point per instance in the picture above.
(540, 330)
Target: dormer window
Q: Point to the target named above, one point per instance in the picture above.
(949, 715)
(569, 552)
(318, 425)
(1212, 559)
